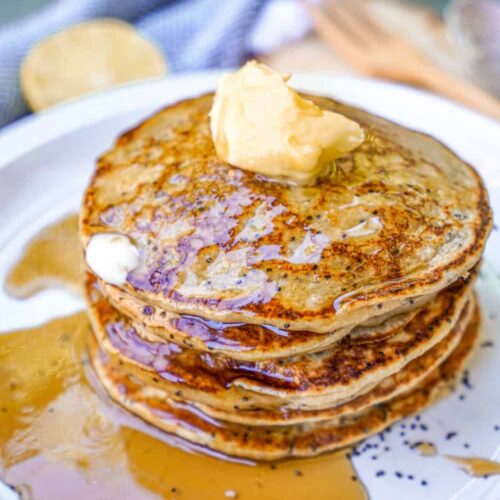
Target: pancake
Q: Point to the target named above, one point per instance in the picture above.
(311, 381)
(399, 217)
(272, 443)
(247, 341)
(400, 382)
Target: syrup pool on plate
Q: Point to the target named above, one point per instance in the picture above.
(61, 437)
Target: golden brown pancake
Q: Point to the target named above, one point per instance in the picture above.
(400, 382)
(271, 443)
(311, 381)
(248, 341)
(267, 320)
(399, 217)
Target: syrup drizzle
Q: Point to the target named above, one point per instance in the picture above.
(53, 258)
(61, 437)
(425, 449)
(476, 466)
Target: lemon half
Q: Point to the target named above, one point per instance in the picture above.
(85, 58)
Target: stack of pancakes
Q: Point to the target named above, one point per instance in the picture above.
(267, 320)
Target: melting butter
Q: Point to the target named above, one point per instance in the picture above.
(112, 256)
(260, 124)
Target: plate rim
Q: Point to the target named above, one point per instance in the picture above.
(32, 131)
(47, 124)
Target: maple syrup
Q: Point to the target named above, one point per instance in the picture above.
(61, 436)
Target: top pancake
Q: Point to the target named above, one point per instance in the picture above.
(399, 217)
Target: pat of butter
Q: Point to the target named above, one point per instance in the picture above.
(259, 123)
(111, 256)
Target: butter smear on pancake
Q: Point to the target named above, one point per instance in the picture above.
(112, 256)
(261, 124)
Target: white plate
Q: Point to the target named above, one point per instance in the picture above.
(46, 160)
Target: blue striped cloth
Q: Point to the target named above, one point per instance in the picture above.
(194, 34)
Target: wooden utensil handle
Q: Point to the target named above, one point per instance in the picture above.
(461, 91)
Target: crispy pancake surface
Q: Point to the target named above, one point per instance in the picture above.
(248, 341)
(310, 381)
(401, 382)
(271, 443)
(400, 217)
